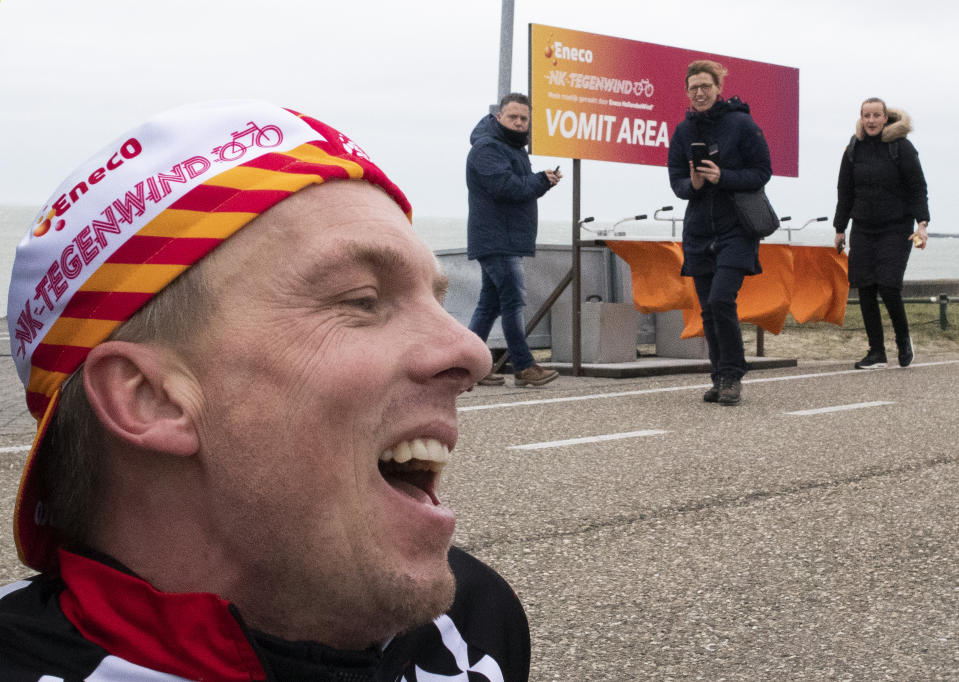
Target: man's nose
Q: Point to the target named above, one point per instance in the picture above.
(451, 349)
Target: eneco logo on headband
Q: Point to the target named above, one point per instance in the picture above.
(128, 150)
(45, 222)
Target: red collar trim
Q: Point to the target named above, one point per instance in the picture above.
(193, 635)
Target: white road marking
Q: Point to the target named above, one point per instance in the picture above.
(688, 387)
(576, 398)
(15, 448)
(841, 408)
(588, 439)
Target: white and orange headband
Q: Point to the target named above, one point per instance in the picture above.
(130, 220)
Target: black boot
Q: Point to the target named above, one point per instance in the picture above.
(712, 395)
(906, 354)
(730, 391)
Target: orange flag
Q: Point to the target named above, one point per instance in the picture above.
(822, 285)
(657, 284)
(764, 299)
(809, 282)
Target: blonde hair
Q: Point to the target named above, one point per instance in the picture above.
(714, 69)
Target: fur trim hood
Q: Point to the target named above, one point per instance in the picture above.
(897, 127)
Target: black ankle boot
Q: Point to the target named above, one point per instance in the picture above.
(906, 354)
(730, 391)
(712, 395)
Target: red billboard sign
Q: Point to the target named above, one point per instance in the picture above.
(611, 99)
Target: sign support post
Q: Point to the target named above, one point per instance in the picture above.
(577, 276)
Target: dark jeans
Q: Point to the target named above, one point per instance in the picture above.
(503, 295)
(871, 319)
(717, 296)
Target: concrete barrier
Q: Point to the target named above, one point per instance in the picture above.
(605, 277)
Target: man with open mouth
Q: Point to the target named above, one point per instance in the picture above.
(241, 431)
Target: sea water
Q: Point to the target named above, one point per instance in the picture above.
(940, 260)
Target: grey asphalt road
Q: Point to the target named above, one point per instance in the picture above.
(808, 534)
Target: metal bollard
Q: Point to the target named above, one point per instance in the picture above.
(943, 305)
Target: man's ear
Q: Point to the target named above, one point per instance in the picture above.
(129, 385)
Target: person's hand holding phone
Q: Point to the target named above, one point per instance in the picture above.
(554, 176)
(709, 171)
(701, 167)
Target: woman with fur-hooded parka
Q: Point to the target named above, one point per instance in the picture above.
(883, 181)
(882, 189)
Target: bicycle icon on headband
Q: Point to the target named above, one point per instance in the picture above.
(267, 136)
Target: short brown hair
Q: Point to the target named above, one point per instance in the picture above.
(517, 97)
(714, 69)
(70, 462)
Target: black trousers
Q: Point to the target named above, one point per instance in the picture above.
(869, 305)
(717, 297)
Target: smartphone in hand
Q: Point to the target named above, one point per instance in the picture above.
(700, 153)
(704, 152)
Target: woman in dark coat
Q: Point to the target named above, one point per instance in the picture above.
(717, 253)
(883, 190)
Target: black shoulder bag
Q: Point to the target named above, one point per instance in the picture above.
(756, 214)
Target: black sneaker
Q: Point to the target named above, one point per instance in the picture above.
(906, 354)
(873, 360)
(730, 391)
(712, 395)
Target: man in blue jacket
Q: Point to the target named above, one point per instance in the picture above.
(501, 229)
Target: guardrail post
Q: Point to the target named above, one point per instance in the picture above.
(943, 305)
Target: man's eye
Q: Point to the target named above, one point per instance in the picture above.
(365, 303)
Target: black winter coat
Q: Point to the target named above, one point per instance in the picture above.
(502, 195)
(712, 236)
(877, 191)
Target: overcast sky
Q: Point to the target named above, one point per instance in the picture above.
(409, 80)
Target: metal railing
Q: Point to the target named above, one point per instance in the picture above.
(667, 220)
(789, 230)
(942, 299)
(610, 231)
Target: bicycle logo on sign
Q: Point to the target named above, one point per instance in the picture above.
(644, 87)
(252, 135)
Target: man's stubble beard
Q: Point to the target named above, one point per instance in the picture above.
(372, 608)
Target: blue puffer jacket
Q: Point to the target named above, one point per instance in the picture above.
(711, 234)
(502, 195)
